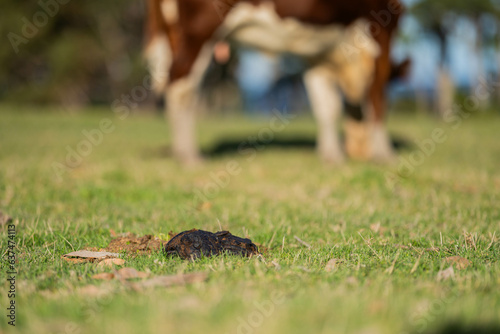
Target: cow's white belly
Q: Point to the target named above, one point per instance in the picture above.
(260, 27)
(347, 53)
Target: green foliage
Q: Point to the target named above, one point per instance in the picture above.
(72, 56)
(434, 14)
(438, 18)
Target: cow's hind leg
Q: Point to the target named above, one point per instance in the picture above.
(381, 146)
(357, 135)
(326, 103)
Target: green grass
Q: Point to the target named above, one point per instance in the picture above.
(349, 213)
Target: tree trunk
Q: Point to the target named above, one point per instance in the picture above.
(498, 77)
(497, 83)
(445, 88)
(445, 91)
(481, 74)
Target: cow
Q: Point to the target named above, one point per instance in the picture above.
(345, 43)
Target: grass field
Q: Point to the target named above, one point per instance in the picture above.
(387, 239)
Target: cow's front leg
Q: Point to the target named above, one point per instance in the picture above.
(183, 99)
(181, 115)
(357, 139)
(326, 104)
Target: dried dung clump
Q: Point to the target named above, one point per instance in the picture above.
(192, 244)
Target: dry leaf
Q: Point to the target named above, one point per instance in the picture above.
(129, 273)
(302, 242)
(205, 206)
(132, 244)
(91, 255)
(375, 227)
(104, 276)
(75, 260)
(459, 262)
(446, 274)
(111, 262)
(166, 281)
(332, 265)
(337, 228)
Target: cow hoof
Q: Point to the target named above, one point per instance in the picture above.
(381, 146)
(357, 140)
(368, 142)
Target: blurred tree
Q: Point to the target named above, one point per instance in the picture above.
(439, 18)
(497, 53)
(476, 11)
(434, 19)
(69, 52)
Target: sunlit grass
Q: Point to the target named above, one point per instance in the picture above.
(389, 241)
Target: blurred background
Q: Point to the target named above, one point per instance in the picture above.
(74, 55)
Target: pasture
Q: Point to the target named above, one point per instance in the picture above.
(380, 250)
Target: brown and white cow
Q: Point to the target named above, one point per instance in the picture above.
(346, 44)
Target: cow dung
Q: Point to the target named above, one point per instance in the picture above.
(192, 244)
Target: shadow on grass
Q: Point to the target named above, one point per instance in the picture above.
(235, 146)
(232, 146)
